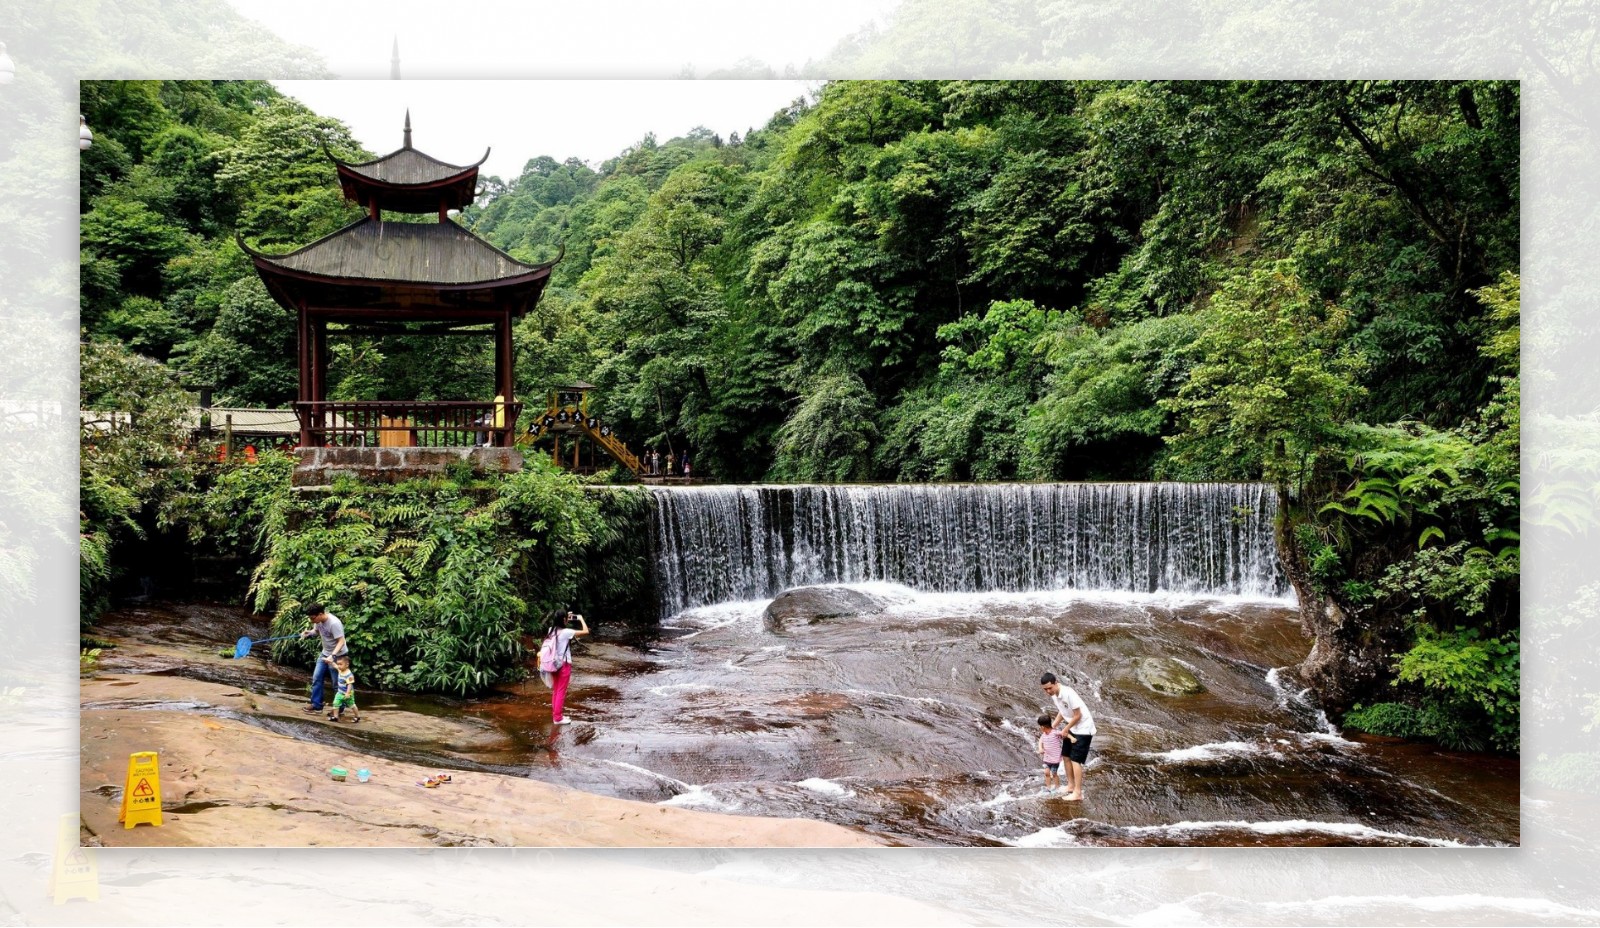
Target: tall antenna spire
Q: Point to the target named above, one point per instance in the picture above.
(394, 60)
(408, 128)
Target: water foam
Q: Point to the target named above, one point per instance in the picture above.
(649, 773)
(1060, 836)
(1284, 696)
(666, 688)
(1213, 751)
(1353, 830)
(826, 787)
(1057, 836)
(1030, 737)
(926, 700)
(700, 797)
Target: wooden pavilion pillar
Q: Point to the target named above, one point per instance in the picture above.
(503, 377)
(319, 360)
(319, 375)
(303, 338)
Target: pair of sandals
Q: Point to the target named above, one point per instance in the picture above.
(434, 781)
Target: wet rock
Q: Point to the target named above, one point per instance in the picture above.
(1166, 676)
(814, 603)
(229, 780)
(816, 705)
(1349, 660)
(1117, 641)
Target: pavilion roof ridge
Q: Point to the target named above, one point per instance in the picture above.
(560, 254)
(406, 149)
(244, 246)
(258, 253)
(350, 249)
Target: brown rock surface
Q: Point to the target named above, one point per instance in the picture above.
(226, 782)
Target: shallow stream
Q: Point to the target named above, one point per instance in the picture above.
(915, 723)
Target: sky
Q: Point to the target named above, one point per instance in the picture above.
(491, 38)
(455, 121)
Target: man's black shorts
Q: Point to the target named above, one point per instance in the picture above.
(1077, 751)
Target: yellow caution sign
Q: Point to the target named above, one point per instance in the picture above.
(141, 796)
(74, 875)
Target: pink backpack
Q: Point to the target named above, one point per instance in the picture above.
(550, 653)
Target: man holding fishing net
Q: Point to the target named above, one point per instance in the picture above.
(327, 625)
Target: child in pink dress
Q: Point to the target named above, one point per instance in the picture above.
(1049, 750)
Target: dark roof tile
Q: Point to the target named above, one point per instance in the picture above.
(435, 253)
(409, 166)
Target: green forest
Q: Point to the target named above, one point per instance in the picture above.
(1314, 284)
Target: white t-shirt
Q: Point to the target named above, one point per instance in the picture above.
(564, 638)
(1066, 700)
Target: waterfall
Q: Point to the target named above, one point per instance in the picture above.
(723, 543)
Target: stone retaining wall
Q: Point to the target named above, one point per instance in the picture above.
(321, 466)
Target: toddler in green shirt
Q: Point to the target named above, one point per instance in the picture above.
(344, 695)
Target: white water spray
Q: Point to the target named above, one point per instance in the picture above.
(716, 544)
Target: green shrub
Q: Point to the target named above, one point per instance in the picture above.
(436, 582)
(1432, 722)
(1470, 678)
(1466, 693)
(1394, 719)
(1357, 593)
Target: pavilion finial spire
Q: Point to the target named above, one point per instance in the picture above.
(408, 128)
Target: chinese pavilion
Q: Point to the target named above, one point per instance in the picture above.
(375, 278)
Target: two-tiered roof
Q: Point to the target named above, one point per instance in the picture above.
(377, 277)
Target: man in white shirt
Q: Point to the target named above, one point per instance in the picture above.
(1073, 713)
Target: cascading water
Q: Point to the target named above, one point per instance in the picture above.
(719, 544)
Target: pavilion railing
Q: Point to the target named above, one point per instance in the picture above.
(407, 424)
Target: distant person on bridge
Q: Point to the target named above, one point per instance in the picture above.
(671, 460)
(1073, 714)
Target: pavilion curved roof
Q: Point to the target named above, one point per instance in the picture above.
(408, 181)
(395, 273)
(409, 167)
(403, 252)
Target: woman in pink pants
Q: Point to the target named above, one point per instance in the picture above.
(563, 627)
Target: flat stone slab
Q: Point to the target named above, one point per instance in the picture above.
(1166, 676)
(319, 467)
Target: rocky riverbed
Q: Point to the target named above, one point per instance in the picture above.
(910, 723)
(243, 765)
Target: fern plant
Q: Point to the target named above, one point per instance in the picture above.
(437, 582)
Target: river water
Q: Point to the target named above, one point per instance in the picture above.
(915, 722)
